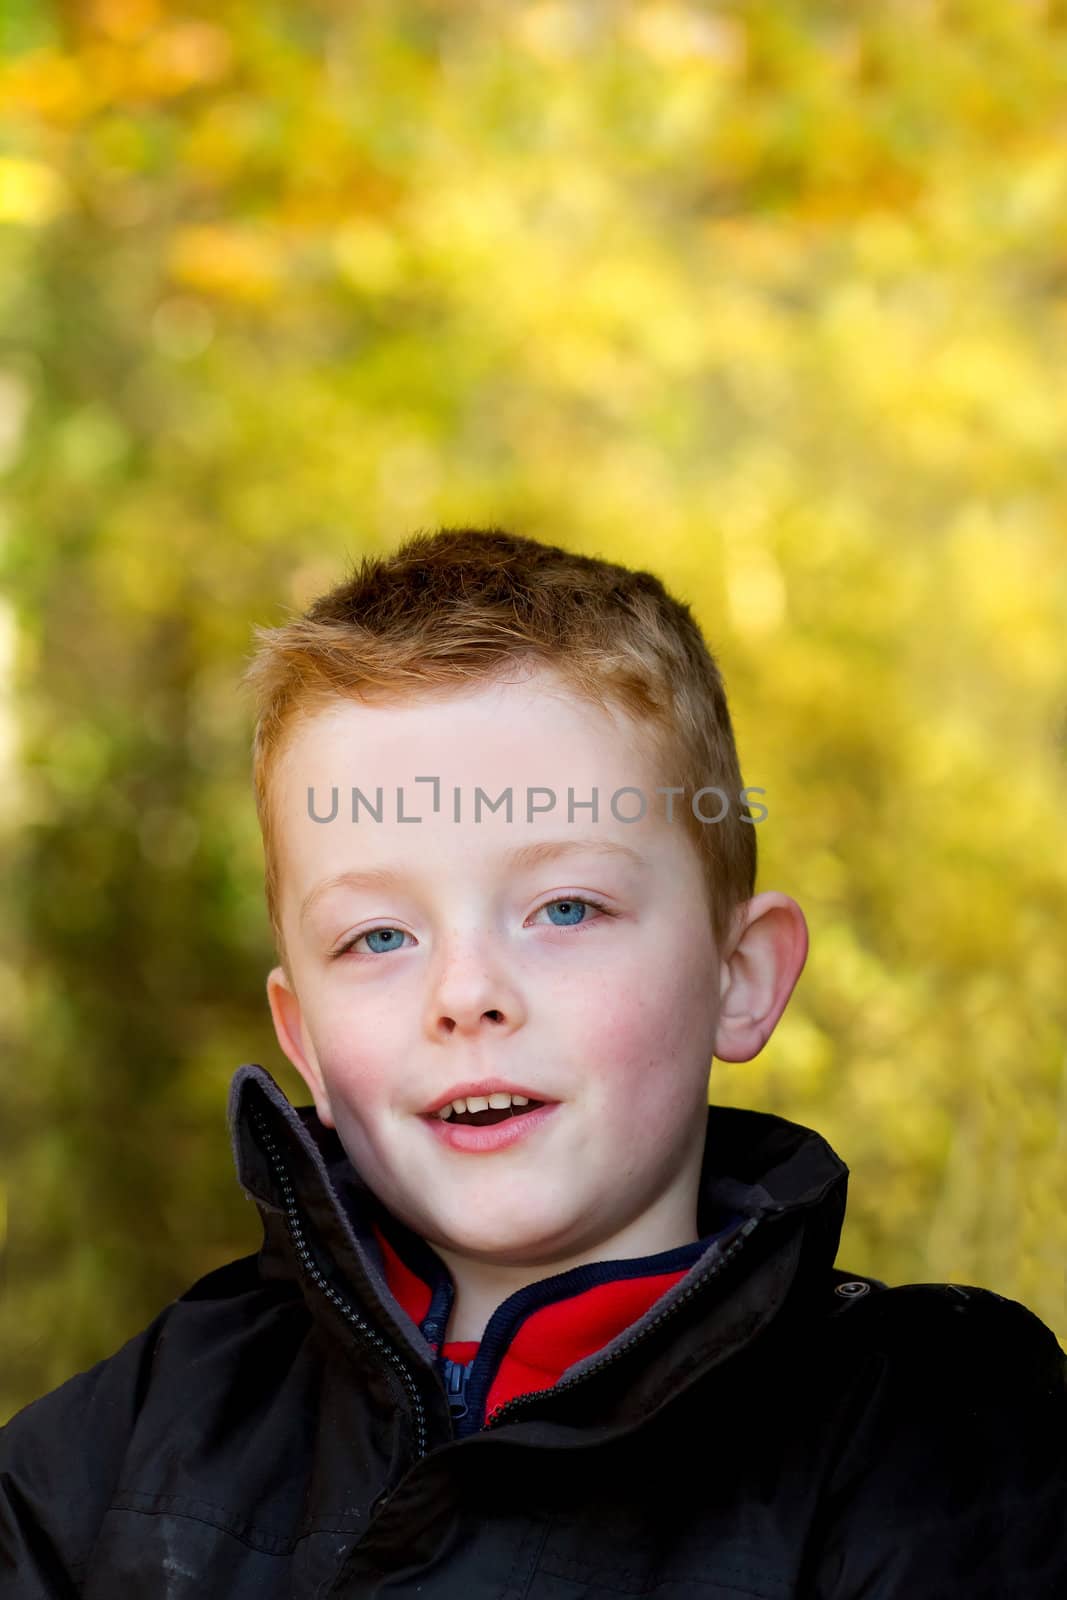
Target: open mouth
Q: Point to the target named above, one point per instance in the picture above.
(485, 1119)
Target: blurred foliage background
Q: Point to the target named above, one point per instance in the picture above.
(772, 299)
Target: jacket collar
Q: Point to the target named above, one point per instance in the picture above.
(783, 1179)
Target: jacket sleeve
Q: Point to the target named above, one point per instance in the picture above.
(953, 1483)
(60, 1461)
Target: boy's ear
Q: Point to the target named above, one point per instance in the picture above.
(285, 1011)
(770, 946)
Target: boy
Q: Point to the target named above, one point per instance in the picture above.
(530, 1320)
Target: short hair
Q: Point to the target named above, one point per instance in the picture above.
(463, 606)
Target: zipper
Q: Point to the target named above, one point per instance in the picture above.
(511, 1407)
(457, 1377)
(296, 1233)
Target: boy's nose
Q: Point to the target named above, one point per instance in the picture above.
(493, 1015)
(472, 994)
(472, 984)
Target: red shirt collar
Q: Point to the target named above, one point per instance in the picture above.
(552, 1336)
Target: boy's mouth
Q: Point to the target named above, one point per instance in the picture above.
(481, 1111)
(483, 1119)
(487, 1116)
(490, 1128)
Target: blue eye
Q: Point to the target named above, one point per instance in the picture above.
(577, 907)
(574, 908)
(392, 936)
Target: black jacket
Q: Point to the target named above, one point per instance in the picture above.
(773, 1427)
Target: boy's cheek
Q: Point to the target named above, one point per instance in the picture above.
(655, 1017)
(352, 1077)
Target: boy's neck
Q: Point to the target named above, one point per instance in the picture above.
(481, 1287)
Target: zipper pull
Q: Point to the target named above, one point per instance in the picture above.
(457, 1375)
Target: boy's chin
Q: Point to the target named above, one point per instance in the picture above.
(514, 1242)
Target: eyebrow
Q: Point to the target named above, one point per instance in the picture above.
(523, 857)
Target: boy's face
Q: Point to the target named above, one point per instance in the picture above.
(614, 1016)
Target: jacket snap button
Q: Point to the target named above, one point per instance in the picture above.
(852, 1290)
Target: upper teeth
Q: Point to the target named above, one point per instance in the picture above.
(481, 1102)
